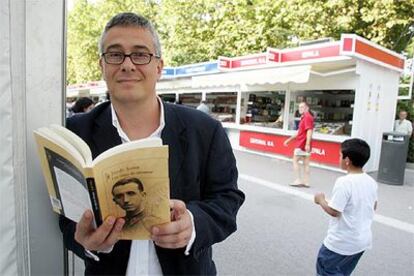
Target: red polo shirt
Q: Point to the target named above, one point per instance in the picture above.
(306, 123)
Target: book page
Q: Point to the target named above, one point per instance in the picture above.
(52, 153)
(75, 141)
(74, 195)
(52, 139)
(134, 185)
(143, 143)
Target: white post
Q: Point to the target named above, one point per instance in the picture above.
(238, 106)
(31, 92)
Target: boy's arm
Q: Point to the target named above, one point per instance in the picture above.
(320, 199)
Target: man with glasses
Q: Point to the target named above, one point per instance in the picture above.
(202, 167)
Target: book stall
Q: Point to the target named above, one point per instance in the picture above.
(351, 86)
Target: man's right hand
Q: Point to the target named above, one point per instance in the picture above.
(102, 238)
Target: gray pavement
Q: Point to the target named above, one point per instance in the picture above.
(281, 229)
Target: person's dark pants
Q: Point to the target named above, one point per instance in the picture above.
(331, 263)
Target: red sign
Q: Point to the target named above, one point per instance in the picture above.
(224, 62)
(378, 54)
(310, 53)
(248, 61)
(347, 44)
(273, 55)
(322, 151)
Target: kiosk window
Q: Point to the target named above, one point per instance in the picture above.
(263, 108)
(332, 109)
(222, 105)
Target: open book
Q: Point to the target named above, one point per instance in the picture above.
(129, 181)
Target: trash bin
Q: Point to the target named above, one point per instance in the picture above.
(393, 158)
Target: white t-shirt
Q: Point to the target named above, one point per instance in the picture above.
(405, 127)
(354, 195)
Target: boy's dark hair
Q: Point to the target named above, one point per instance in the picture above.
(357, 150)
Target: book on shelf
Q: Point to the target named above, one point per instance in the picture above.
(128, 181)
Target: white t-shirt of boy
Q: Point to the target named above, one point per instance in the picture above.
(354, 195)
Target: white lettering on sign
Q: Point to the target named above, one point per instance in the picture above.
(253, 61)
(262, 142)
(308, 54)
(223, 63)
(318, 151)
(195, 69)
(257, 141)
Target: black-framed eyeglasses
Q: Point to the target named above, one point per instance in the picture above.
(136, 58)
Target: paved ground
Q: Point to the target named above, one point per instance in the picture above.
(281, 229)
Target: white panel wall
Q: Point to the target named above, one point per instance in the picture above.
(31, 89)
(44, 105)
(375, 105)
(8, 241)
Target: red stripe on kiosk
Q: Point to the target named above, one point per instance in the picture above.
(310, 53)
(322, 151)
(375, 53)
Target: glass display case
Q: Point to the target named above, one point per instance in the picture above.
(263, 108)
(332, 110)
(222, 105)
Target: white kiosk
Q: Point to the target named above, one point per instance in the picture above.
(351, 86)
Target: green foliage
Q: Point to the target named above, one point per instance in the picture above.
(85, 25)
(201, 30)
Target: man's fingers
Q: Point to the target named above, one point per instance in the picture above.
(182, 237)
(102, 232)
(172, 235)
(84, 226)
(94, 239)
(168, 228)
(113, 237)
(178, 208)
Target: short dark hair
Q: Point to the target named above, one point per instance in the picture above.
(357, 150)
(128, 180)
(81, 104)
(127, 19)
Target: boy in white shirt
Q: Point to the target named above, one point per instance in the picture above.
(352, 207)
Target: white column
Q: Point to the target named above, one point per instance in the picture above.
(31, 93)
(8, 225)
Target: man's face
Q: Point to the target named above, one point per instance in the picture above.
(128, 82)
(303, 108)
(403, 115)
(129, 197)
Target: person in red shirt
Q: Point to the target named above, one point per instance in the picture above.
(303, 146)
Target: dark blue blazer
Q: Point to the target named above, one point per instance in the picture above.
(203, 174)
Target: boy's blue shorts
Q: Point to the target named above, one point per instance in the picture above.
(331, 263)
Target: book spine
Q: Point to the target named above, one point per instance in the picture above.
(94, 199)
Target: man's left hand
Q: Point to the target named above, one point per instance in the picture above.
(177, 233)
(307, 148)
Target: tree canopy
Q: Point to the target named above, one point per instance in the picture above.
(200, 30)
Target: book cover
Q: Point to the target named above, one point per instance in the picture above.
(128, 181)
